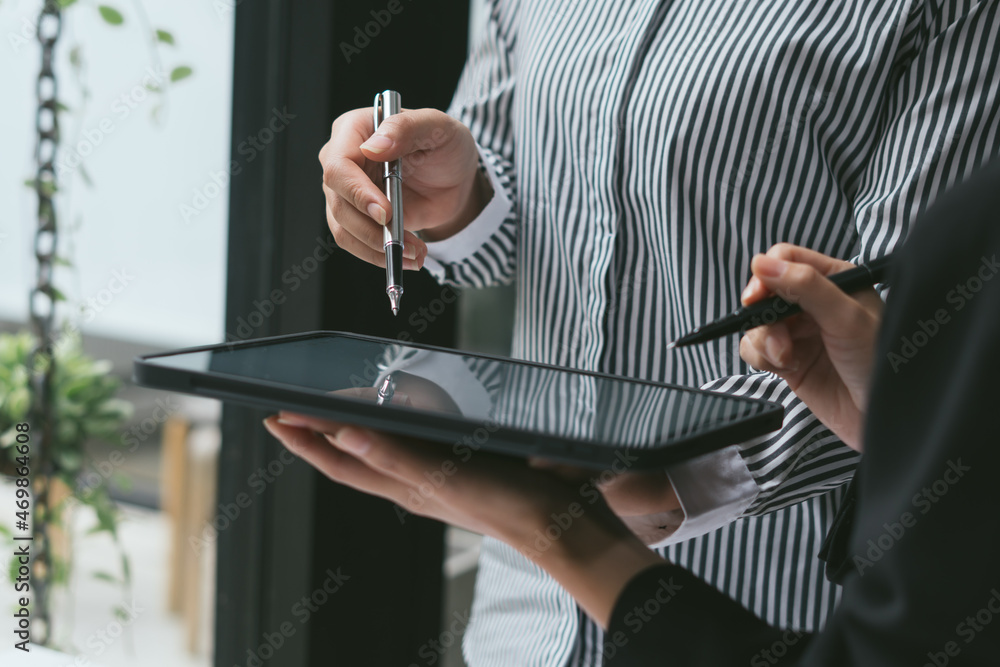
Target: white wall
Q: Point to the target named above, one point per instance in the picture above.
(172, 272)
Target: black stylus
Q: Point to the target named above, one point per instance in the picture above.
(774, 309)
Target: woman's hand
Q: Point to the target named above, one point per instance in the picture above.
(422, 479)
(443, 189)
(581, 544)
(826, 354)
(645, 501)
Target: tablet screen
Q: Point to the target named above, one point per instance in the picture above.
(616, 412)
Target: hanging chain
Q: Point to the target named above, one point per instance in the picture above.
(42, 308)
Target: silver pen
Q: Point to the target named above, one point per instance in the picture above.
(388, 104)
(386, 390)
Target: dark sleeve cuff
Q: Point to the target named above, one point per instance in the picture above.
(667, 615)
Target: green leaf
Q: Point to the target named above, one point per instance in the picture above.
(75, 59)
(111, 15)
(85, 176)
(18, 402)
(66, 3)
(60, 107)
(105, 576)
(122, 481)
(179, 73)
(106, 518)
(48, 187)
(165, 37)
(60, 571)
(69, 460)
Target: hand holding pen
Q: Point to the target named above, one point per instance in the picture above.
(826, 353)
(442, 187)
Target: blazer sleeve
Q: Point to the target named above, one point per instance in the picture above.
(666, 615)
(925, 543)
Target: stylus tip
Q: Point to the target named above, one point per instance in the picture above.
(671, 345)
(395, 311)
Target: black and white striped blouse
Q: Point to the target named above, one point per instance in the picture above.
(642, 152)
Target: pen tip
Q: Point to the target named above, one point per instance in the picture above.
(671, 345)
(395, 296)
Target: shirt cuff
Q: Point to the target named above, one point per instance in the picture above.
(466, 242)
(714, 490)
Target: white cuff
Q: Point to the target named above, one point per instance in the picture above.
(714, 490)
(466, 242)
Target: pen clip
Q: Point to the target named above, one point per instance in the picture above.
(387, 103)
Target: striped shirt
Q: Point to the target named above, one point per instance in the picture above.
(642, 151)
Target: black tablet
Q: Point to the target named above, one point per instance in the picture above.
(466, 401)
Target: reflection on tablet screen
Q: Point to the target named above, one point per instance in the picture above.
(617, 412)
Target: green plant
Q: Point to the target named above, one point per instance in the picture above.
(84, 409)
(45, 379)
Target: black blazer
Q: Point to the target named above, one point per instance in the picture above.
(922, 557)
